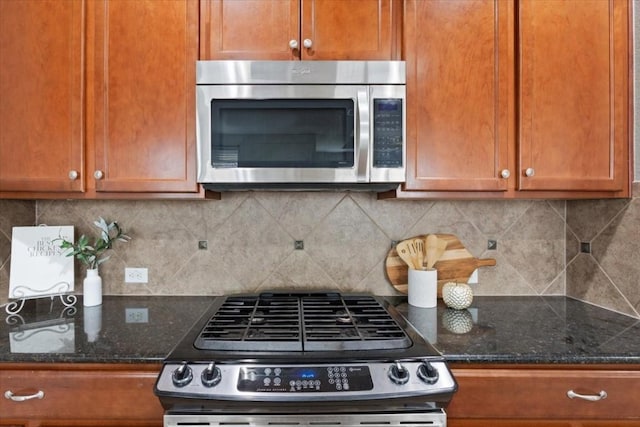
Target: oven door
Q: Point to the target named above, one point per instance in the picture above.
(251, 134)
(435, 418)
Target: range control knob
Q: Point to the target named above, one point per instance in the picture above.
(211, 375)
(427, 373)
(182, 375)
(398, 374)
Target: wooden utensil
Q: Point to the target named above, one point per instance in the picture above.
(441, 246)
(418, 245)
(456, 264)
(431, 256)
(403, 250)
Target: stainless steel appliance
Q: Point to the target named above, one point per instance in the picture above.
(300, 124)
(321, 358)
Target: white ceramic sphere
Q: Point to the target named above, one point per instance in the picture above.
(457, 295)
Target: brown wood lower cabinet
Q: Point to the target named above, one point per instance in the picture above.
(488, 396)
(527, 396)
(80, 395)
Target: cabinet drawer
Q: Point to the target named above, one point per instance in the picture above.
(542, 393)
(106, 393)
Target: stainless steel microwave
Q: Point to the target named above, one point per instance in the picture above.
(301, 124)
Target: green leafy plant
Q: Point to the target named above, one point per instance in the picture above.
(92, 255)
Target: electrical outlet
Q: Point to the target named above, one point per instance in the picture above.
(136, 275)
(136, 315)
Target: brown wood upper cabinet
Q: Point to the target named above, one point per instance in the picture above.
(99, 99)
(144, 95)
(300, 29)
(42, 90)
(517, 98)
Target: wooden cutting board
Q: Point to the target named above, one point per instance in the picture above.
(455, 265)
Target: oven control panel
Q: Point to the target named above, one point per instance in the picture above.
(290, 383)
(305, 379)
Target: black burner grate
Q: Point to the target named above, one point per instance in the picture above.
(297, 322)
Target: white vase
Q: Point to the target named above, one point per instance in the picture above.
(92, 288)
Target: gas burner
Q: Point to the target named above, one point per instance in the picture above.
(301, 322)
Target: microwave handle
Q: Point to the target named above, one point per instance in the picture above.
(362, 136)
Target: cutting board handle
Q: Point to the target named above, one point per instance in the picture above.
(486, 262)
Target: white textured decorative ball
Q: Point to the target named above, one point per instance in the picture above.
(457, 295)
(457, 321)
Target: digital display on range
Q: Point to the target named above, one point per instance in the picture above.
(281, 379)
(305, 375)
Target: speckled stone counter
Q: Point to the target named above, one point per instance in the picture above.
(528, 330)
(121, 330)
(127, 329)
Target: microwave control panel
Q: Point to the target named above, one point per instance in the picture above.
(387, 132)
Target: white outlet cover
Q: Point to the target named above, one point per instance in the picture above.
(136, 275)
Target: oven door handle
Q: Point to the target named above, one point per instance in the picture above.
(363, 120)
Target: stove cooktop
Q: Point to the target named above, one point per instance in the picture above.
(303, 326)
(301, 322)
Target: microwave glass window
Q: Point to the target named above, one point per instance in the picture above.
(282, 133)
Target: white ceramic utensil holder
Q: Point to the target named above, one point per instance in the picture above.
(423, 288)
(92, 289)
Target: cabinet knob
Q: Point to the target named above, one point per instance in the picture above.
(98, 174)
(307, 43)
(73, 175)
(505, 173)
(529, 172)
(293, 44)
(20, 398)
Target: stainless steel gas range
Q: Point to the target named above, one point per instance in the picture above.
(320, 358)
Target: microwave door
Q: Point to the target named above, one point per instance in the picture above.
(282, 134)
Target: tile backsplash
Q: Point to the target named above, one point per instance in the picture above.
(250, 243)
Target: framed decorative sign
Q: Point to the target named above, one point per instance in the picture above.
(39, 267)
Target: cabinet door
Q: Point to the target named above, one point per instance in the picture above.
(534, 394)
(574, 129)
(143, 117)
(459, 94)
(250, 29)
(349, 29)
(42, 87)
(74, 395)
(267, 29)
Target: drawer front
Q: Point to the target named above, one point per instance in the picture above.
(541, 393)
(81, 394)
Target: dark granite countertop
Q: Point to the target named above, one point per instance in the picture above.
(114, 332)
(539, 330)
(127, 329)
